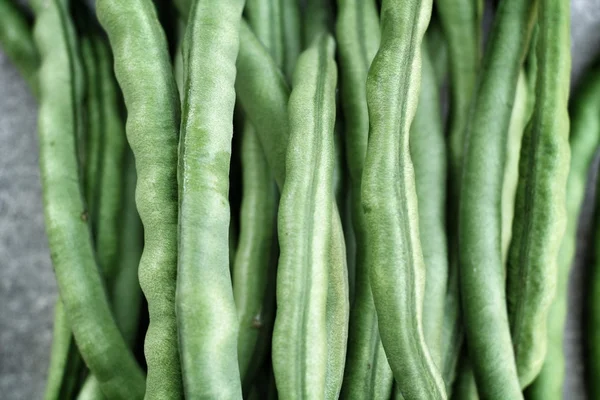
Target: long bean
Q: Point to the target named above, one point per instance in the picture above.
(428, 155)
(394, 257)
(254, 275)
(207, 320)
(80, 285)
(482, 273)
(305, 228)
(539, 222)
(153, 123)
(584, 141)
(593, 313)
(262, 91)
(367, 374)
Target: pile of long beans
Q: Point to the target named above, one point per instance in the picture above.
(269, 199)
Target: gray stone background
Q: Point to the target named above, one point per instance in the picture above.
(27, 286)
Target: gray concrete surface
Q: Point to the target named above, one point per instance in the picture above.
(27, 286)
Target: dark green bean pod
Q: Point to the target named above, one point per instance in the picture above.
(253, 271)
(300, 346)
(206, 315)
(428, 155)
(389, 198)
(143, 69)
(16, 39)
(584, 141)
(80, 285)
(464, 387)
(263, 93)
(317, 19)
(438, 50)
(367, 374)
(482, 272)
(539, 222)
(292, 38)
(592, 323)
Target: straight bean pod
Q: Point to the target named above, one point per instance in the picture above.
(143, 70)
(254, 265)
(394, 257)
(516, 129)
(80, 285)
(482, 272)
(367, 374)
(593, 317)
(428, 155)
(206, 315)
(317, 19)
(305, 228)
(539, 222)
(584, 141)
(17, 42)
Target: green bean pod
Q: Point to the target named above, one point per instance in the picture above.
(206, 315)
(389, 198)
(253, 271)
(80, 285)
(516, 129)
(539, 222)
(305, 228)
(438, 50)
(367, 374)
(263, 93)
(16, 39)
(593, 312)
(253, 264)
(292, 38)
(464, 387)
(584, 141)
(143, 69)
(66, 368)
(482, 272)
(317, 20)
(428, 155)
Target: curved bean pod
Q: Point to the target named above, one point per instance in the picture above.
(367, 374)
(143, 69)
(482, 272)
(68, 231)
(394, 257)
(263, 93)
(206, 316)
(584, 141)
(539, 222)
(17, 42)
(305, 228)
(428, 155)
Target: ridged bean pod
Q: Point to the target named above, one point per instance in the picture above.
(367, 374)
(394, 256)
(263, 93)
(17, 42)
(305, 228)
(482, 272)
(143, 70)
(539, 222)
(81, 290)
(584, 141)
(428, 155)
(206, 315)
